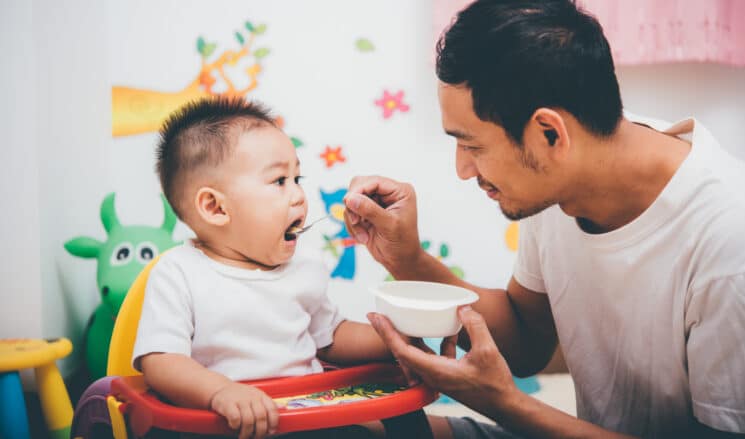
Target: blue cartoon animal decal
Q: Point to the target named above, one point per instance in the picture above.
(120, 259)
(341, 244)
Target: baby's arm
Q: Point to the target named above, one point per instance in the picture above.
(355, 343)
(187, 383)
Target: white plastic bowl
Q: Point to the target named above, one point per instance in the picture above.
(422, 309)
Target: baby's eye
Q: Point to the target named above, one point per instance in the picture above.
(280, 181)
(298, 178)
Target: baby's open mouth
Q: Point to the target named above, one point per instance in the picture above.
(292, 231)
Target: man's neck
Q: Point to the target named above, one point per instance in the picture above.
(622, 176)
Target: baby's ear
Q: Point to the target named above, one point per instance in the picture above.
(210, 205)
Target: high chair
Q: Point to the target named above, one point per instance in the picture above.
(123, 402)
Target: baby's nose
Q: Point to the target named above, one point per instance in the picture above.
(298, 196)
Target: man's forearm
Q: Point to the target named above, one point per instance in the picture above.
(529, 417)
(423, 267)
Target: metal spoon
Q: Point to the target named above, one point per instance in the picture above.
(299, 230)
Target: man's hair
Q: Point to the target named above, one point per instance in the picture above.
(520, 55)
(202, 133)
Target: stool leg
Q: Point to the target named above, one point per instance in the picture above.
(13, 418)
(55, 401)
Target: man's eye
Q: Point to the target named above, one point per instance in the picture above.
(298, 178)
(281, 181)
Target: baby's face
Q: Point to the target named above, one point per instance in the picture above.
(264, 197)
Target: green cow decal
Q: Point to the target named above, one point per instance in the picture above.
(120, 259)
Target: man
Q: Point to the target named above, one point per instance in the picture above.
(632, 239)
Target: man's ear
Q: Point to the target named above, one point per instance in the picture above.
(210, 205)
(552, 129)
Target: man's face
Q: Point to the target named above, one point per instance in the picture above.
(510, 174)
(264, 197)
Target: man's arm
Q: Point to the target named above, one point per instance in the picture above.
(519, 319)
(481, 380)
(381, 214)
(521, 324)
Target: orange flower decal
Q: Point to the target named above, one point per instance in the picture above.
(333, 156)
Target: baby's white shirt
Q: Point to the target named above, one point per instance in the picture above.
(245, 324)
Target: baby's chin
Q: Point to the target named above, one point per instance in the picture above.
(284, 259)
(285, 255)
(270, 259)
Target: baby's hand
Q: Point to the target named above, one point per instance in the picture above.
(246, 408)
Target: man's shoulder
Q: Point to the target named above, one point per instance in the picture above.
(657, 124)
(710, 155)
(719, 244)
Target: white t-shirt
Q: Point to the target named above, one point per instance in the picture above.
(244, 324)
(651, 316)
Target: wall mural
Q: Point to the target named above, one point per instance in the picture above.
(332, 156)
(442, 254)
(138, 110)
(341, 245)
(235, 69)
(391, 103)
(364, 45)
(511, 235)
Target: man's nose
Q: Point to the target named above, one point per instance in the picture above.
(464, 165)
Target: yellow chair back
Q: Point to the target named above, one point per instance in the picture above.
(125, 328)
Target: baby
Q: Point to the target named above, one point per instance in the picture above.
(236, 303)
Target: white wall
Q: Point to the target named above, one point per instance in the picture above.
(714, 94)
(56, 123)
(72, 135)
(20, 268)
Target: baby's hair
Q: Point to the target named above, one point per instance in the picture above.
(202, 133)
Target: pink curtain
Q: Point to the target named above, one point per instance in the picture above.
(656, 31)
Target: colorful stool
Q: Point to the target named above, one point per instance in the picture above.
(17, 354)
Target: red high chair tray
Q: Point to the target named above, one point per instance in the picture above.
(144, 410)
